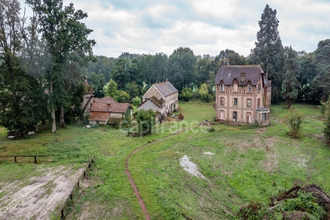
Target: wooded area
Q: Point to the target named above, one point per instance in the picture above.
(43, 60)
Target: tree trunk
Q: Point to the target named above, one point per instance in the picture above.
(52, 108)
(62, 122)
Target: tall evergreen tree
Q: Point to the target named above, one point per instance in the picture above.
(290, 83)
(322, 80)
(269, 51)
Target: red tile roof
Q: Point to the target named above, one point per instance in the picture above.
(107, 100)
(99, 116)
(120, 107)
(100, 107)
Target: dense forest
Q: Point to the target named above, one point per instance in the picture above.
(43, 59)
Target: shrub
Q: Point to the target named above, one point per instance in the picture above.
(136, 101)
(146, 121)
(294, 119)
(186, 94)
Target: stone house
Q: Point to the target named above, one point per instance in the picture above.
(162, 98)
(243, 94)
(107, 111)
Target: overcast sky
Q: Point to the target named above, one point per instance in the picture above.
(205, 26)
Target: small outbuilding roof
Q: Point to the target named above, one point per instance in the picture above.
(99, 116)
(120, 107)
(105, 100)
(166, 88)
(153, 100)
(227, 74)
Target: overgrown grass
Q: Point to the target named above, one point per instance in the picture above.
(248, 165)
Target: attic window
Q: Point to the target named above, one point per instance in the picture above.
(243, 77)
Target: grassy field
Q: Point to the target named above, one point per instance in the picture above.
(248, 165)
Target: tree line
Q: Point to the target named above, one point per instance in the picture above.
(43, 59)
(296, 75)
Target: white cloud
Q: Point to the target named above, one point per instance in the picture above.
(206, 26)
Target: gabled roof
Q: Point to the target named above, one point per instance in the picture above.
(99, 116)
(100, 107)
(105, 100)
(165, 88)
(120, 107)
(228, 73)
(153, 100)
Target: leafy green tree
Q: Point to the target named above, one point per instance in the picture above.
(204, 92)
(203, 69)
(146, 121)
(136, 101)
(321, 82)
(102, 65)
(294, 119)
(269, 51)
(182, 64)
(66, 40)
(120, 73)
(97, 81)
(22, 101)
(122, 96)
(290, 83)
(132, 89)
(110, 89)
(186, 94)
(307, 72)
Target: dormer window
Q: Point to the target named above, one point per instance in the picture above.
(235, 87)
(222, 87)
(243, 77)
(249, 88)
(259, 87)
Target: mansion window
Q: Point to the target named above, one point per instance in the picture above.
(235, 101)
(259, 87)
(249, 103)
(263, 116)
(249, 88)
(222, 87)
(235, 88)
(222, 101)
(235, 116)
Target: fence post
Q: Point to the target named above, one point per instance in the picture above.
(35, 159)
(15, 159)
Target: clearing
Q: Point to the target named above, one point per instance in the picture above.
(240, 164)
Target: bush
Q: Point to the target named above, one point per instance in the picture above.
(294, 119)
(146, 121)
(186, 94)
(136, 101)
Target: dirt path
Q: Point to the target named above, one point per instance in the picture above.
(131, 180)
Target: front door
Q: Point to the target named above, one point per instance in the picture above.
(235, 116)
(222, 115)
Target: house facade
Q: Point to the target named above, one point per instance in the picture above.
(243, 94)
(161, 97)
(107, 111)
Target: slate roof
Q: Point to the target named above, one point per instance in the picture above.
(153, 100)
(166, 88)
(227, 74)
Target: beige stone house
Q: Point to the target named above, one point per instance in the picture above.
(107, 111)
(162, 98)
(243, 94)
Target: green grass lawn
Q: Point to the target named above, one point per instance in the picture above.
(248, 165)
